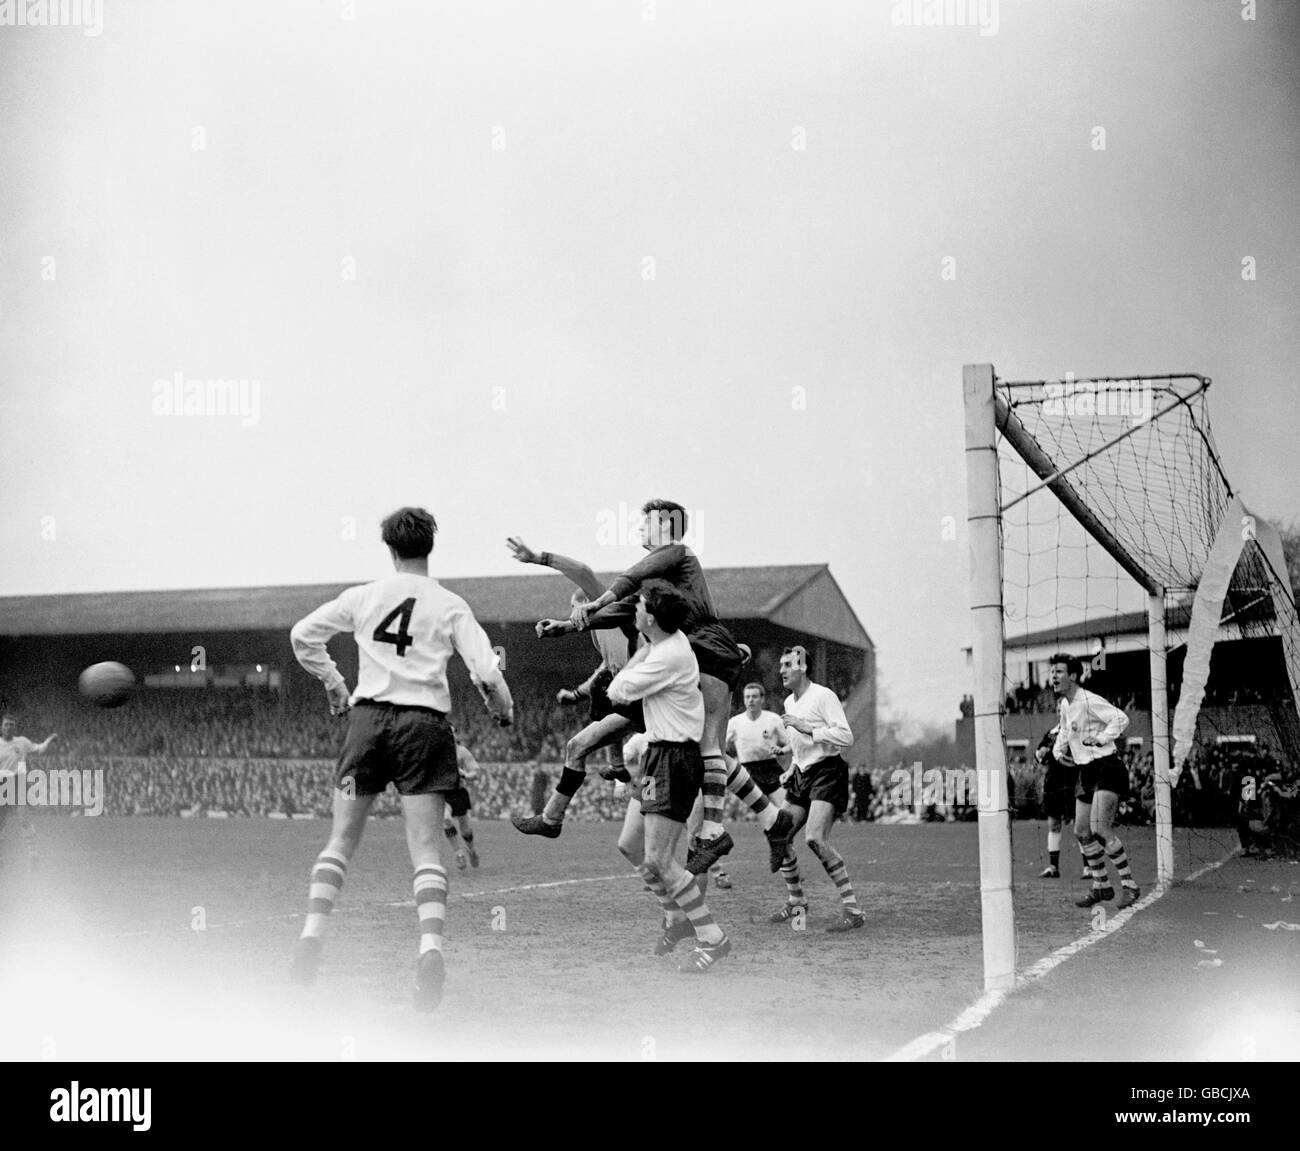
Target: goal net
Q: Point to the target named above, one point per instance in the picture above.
(1104, 526)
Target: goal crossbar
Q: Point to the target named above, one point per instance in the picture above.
(1017, 435)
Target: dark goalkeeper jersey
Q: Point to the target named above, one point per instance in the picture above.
(676, 564)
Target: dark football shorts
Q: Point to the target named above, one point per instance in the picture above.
(826, 779)
(766, 773)
(1105, 774)
(1059, 782)
(602, 707)
(458, 801)
(717, 654)
(633, 712)
(671, 777)
(599, 703)
(412, 748)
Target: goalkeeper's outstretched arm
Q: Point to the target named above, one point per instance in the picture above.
(574, 570)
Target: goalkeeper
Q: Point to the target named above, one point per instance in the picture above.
(1059, 779)
(608, 725)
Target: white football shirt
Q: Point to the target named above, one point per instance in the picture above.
(822, 709)
(666, 679)
(1087, 715)
(756, 739)
(406, 627)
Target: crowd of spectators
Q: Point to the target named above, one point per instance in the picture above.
(259, 723)
(1031, 699)
(253, 753)
(297, 788)
(1208, 794)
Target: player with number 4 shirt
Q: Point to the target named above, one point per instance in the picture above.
(406, 627)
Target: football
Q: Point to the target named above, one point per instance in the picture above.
(107, 684)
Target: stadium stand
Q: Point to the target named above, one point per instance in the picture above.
(230, 723)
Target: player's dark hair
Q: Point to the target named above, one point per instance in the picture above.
(409, 532)
(675, 512)
(665, 603)
(1073, 664)
(761, 691)
(803, 656)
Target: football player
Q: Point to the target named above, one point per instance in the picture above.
(406, 627)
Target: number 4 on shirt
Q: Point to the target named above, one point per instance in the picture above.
(401, 638)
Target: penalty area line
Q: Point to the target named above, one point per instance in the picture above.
(290, 915)
(527, 887)
(990, 1001)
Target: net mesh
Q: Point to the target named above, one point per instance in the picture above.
(1111, 487)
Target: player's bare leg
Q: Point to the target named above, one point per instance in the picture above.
(796, 903)
(817, 834)
(423, 820)
(662, 870)
(602, 733)
(1105, 806)
(818, 820)
(467, 838)
(327, 875)
(450, 830)
(631, 842)
(1094, 855)
(1055, 827)
(1053, 868)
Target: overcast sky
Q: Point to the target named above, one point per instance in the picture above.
(526, 264)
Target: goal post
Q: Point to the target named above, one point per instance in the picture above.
(1055, 477)
(1159, 644)
(983, 520)
(1101, 523)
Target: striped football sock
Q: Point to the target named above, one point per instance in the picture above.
(833, 861)
(790, 873)
(715, 794)
(1115, 850)
(430, 886)
(741, 784)
(1094, 856)
(655, 885)
(327, 875)
(687, 896)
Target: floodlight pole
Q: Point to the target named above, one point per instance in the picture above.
(1160, 766)
(983, 518)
